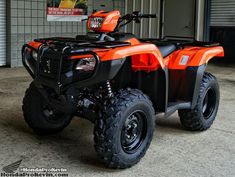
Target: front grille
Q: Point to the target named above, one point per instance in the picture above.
(49, 66)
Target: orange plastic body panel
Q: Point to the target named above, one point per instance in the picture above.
(145, 62)
(192, 56)
(110, 21)
(133, 41)
(145, 56)
(35, 45)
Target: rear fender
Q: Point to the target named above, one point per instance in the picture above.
(195, 60)
(203, 57)
(193, 56)
(200, 73)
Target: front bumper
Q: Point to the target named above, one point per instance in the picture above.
(62, 82)
(58, 77)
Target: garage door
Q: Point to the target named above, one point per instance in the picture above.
(180, 22)
(2, 33)
(223, 13)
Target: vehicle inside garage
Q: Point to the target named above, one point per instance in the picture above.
(118, 81)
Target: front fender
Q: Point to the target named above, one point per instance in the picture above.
(145, 57)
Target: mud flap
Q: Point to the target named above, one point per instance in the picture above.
(200, 72)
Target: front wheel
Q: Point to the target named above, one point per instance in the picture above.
(124, 132)
(39, 116)
(203, 115)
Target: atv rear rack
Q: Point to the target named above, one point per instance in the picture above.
(180, 43)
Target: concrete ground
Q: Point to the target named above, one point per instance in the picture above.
(174, 151)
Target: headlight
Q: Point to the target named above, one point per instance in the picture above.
(34, 55)
(86, 64)
(96, 22)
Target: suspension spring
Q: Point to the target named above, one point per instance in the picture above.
(109, 89)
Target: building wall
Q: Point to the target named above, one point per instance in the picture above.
(148, 28)
(200, 20)
(151, 28)
(28, 21)
(2, 33)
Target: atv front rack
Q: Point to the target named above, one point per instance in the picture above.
(73, 43)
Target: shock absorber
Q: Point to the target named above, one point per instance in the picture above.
(109, 89)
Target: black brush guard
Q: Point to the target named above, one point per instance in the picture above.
(68, 47)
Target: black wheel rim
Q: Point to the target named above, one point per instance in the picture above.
(209, 103)
(51, 115)
(134, 132)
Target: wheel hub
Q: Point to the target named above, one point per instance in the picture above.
(48, 113)
(51, 115)
(209, 103)
(133, 131)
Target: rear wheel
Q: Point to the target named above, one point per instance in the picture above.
(40, 116)
(124, 132)
(203, 115)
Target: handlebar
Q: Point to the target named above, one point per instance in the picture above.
(137, 15)
(147, 15)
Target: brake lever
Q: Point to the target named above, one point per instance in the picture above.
(136, 13)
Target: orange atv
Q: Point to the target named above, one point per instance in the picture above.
(119, 82)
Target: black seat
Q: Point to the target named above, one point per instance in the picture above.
(167, 49)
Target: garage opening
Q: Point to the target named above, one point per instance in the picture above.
(222, 26)
(2, 33)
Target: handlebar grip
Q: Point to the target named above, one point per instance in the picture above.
(148, 15)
